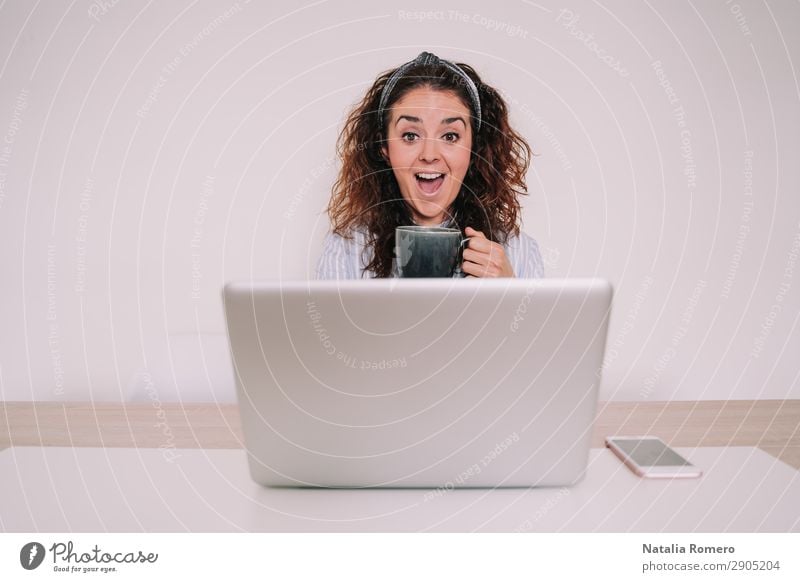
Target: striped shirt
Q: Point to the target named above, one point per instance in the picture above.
(343, 258)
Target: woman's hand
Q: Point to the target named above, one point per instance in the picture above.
(484, 258)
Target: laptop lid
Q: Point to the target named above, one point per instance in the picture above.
(418, 383)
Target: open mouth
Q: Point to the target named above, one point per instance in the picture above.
(429, 182)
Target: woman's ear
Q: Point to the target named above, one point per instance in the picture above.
(385, 153)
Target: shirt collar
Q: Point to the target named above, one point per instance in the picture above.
(446, 223)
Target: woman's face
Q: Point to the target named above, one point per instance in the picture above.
(429, 145)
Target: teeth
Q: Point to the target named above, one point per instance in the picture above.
(429, 176)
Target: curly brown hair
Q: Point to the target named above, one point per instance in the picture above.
(366, 194)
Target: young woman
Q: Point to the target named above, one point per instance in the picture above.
(429, 144)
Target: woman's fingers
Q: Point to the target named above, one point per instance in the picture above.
(476, 270)
(480, 257)
(484, 258)
(477, 240)
(481, 250)
(483, 264)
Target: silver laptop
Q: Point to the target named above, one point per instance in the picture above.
(418, 383)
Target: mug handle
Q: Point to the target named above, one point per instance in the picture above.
(458, 273)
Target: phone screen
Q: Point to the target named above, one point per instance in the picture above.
(650, 453)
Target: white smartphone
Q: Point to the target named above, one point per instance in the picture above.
(648, 456)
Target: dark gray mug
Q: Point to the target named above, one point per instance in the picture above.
(428, 251)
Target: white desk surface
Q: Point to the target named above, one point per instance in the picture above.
(57, 489)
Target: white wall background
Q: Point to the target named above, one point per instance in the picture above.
(151, 151)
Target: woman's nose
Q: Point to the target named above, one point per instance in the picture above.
(429, 151)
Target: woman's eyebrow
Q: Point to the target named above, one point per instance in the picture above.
(446, 121)
(450, 120)
(410, 118)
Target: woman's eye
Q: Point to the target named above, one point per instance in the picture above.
(451, 137)
(409, 136)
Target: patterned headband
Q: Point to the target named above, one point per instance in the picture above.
(425, 59)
